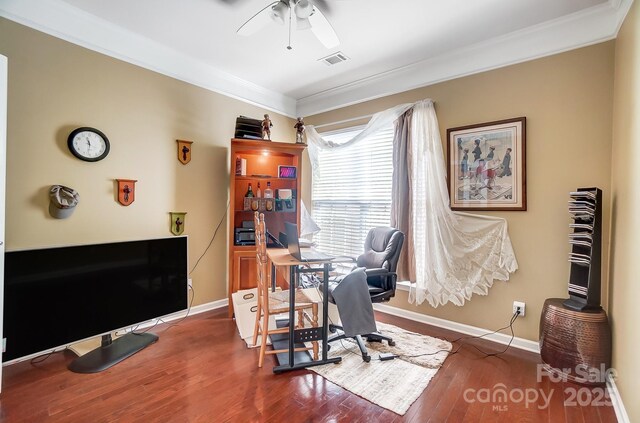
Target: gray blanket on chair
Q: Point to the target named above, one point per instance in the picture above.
(352, 298)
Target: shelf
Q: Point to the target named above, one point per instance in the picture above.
(254, 177)
(244, 247)
(265, 211)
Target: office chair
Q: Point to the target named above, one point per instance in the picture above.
(380, 258)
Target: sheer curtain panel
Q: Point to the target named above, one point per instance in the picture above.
(456, 254)
(450, 255)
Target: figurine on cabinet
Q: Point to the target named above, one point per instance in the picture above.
(266, 127)
(299, 131)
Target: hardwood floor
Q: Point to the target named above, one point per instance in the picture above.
(201, 371)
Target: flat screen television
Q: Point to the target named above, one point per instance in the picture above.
(57, 296)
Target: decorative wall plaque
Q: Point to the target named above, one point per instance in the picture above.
(126, 191)
(177, 222)
(184, 151)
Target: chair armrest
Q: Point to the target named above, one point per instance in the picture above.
(382, 278)
(377, 272)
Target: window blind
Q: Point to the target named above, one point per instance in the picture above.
(352, 190)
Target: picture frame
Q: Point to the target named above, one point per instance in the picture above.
(287, 172)
(486, 166)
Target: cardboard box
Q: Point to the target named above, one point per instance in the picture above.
(245, 306)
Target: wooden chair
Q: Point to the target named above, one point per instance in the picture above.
(270, 303)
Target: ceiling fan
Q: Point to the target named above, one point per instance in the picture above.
(305, 14)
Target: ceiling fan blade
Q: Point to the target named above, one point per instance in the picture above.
(257, 21)
(303, 24)
(324, 5)
(323, 30)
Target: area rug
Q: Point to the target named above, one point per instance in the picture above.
(393, 384)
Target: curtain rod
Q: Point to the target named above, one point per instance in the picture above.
(343, 121)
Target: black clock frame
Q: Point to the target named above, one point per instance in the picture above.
(80, 156)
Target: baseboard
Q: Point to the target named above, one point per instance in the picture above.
(501, 338)
(213, 305)
(616, 401)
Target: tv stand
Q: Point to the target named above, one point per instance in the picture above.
(112, 352)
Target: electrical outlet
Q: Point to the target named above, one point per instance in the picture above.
(518, 305)
(190, 283)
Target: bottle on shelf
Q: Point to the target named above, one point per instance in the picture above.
(249, 191)
(259, 191)
(268, 192)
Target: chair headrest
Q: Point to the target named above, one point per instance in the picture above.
(382, 248)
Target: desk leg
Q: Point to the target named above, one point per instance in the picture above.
(325, 311)
(273, 277)
(293, 284)
(294, 272)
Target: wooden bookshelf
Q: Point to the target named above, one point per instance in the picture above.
(262, 161)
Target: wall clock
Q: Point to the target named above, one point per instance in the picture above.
(88, 144)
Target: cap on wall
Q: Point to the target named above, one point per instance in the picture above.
(63, 200)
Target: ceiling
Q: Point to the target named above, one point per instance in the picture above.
(392, 46)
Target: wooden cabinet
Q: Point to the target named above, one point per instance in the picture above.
(262, 160)
(244, 269)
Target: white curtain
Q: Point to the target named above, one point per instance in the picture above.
(378, 121)
(456, 254)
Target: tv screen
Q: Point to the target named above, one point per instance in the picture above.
(56, 296)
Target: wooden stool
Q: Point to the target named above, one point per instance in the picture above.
(569, 339)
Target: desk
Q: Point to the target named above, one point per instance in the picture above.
(280, 257)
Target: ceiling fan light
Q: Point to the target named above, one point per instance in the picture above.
(278, 12)
(302, 24)
(303, 9)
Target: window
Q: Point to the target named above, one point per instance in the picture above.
(352, 190)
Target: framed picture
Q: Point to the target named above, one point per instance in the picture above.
(486, 166)
(287, 172)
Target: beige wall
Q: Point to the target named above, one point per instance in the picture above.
(54, 87)
(625, 215)
(567, 100)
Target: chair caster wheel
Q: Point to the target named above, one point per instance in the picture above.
(332, 329)
(328, 347)
(366, 358)
(392, 343)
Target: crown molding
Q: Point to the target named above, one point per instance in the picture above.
(69, 23)
(590, 26)
(59, 19)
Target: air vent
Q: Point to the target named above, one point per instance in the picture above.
(334, 59)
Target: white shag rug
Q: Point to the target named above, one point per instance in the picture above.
(393, 384)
